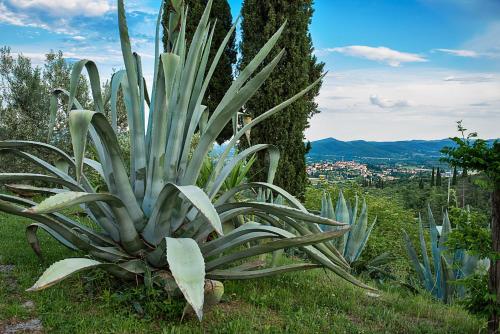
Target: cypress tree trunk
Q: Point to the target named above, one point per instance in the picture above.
(494, 279)
(297, 69)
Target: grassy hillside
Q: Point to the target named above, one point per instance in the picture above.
(313, 302)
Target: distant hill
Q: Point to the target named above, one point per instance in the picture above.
(412, 150)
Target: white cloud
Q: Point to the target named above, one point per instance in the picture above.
(79, 38)
(388, 104)
(23, 19)
(381, 54)
(471, 78)
(460, 53)
(64, 8)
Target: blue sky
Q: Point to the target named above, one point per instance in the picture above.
(398, 69)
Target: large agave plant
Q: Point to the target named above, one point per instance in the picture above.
(154, 222)
(351, 245)
(447, 266)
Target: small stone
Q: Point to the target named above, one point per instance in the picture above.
(373, 295)
(29, 305)
(30, 326)
(6, 268)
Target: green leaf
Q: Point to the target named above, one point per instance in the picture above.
(160, 225)
(188, 268)
(243, 274)
(68, 199)
(62, 269)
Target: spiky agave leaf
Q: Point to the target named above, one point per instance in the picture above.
(154, 217)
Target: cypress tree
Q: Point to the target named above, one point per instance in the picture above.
(298, 68)
(438, 177)
(454, 178)
(223, 75)
(421, 184)
(433, 183)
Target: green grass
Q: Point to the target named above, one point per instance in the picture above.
(311, 302)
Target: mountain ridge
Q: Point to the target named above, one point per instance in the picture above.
(414, 149)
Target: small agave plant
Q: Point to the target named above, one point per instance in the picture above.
(446, 266)
(155, 223)
(353, 242)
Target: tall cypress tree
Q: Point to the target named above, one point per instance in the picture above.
(432, 178)
(223, 75)
(298, 68)
(438, 177)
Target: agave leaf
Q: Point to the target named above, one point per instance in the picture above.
(69, 199)
(228, 195)
(222, 274)
(414, 257)
(67, 267)
(15, 146)
(357, 235)
(62, 269)
(186, 83)
(170, 64)
(188, 268)
(45, 165)
(364, 241)
(279, 211)
(152, 107)
(261, 118)
(62, 165)
(73, 235)
(199, 112)
(342, 213)
(96, 166)
(119, 80)
(33, 239)
(219, 118)
(9, 177)
(96, 238)
(273, 246)
(160, 226)
(213, 187)
(326, 249)
(436, 255)
(95, 83)
(80, 121)
(28, 188)
(129, 238)
(448, 289)
(445, 231)
(136, 122)
(428, 277)
(241, 240)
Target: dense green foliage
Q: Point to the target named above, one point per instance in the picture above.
(298, 67)
(223, 75)
(476, 154)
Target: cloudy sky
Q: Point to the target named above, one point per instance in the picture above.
(398, 69)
